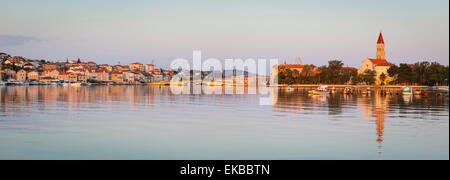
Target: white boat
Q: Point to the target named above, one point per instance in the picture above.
(406, 90)
(443, 91)
(76, 84)
(348, 90)
(322, 90)
(2, 83)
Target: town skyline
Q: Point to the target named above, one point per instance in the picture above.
(165, 30)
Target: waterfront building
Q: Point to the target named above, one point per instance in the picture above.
(380, 65)
(9, 73)
(72, 77)
(129, 77)
(97, 74)
(149, 67)
(28, 65)
(48, 66)
(136, 67)
(33, 76)
(81, 78)
(107, 67)
(117, 77)
(121, 68)
(63, 76)
(21, 75)
(51, 73)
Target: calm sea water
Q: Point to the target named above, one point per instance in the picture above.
(145, 122)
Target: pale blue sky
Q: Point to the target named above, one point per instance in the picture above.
(108, 31)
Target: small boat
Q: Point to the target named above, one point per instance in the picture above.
(76, 84)
(2, 83)
(34, 83)
(322, 90)
(419, 92)
(443, 91)
(289, 89)
(348, 90)
(406, 91)
(367, 91)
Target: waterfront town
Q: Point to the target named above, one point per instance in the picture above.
(373, 71)
(18, 70)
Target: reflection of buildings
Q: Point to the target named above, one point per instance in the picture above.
(375, 107)
(75, 97)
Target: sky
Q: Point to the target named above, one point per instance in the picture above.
(112, 31)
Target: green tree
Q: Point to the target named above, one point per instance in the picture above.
(421, 72)
(405, 74)
(393, 71)
(383, 78)
(368, 77)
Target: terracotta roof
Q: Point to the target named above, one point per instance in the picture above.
(381, 62)
(291, 65)
(380, 39)
(117, 72)
(101, 70)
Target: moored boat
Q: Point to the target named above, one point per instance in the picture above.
(367, 91)
(406, 91)
(348, 90)
(289, 89)
(322, 90)
(419, 92)
(75, 84)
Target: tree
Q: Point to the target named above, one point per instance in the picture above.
(368, 77)
(405, 74)
(335, 71)
(444, 75)
(287, 76)
(346, 75)
(383, 78)
(393, 71)
(356, 78)
(421, 73)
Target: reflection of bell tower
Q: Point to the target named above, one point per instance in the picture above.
(379, 123)
(381, 54)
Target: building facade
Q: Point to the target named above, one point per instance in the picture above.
(379, 65)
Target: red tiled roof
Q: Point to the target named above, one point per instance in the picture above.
(380, 39)
(101, 70)
(291, 65)
(381, 62)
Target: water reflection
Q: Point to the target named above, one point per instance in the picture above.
(296, 126)
(374, 107)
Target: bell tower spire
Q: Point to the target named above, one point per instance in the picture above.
(381, 54)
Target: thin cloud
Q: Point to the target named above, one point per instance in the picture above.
(8, 40)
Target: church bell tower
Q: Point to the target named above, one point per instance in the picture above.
(381, 54)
